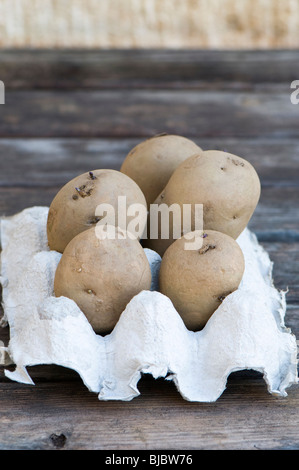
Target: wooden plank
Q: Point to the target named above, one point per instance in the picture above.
(53, 161)
(140, 113)
(68, 416)
(277, 214)
(285, 258)
(27, 69)
(13, 200)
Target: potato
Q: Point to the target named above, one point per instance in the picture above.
(102, 275)
(73, 209)
(226, 185)
(152, 162)
(197, 281)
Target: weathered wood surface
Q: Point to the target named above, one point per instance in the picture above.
(129, 113)
(71, 112)
(130, 69)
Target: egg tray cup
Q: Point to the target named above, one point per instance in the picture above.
(247, 331)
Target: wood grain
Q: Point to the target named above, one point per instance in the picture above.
(275, 160)
(158, 69)
(243, 418)
(122, 113)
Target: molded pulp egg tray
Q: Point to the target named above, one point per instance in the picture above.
(247, 331)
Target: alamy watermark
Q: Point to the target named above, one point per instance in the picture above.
(2, 93)
(159, 222)
(295, 94)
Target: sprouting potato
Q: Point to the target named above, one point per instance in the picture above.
(102, 275)
(152, 162)
(198, 280)
(227, 187)
(73, 209)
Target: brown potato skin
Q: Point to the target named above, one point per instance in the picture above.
(152, 162)
(227, 186)
(102, 276)
(197, 281)
(71, 212)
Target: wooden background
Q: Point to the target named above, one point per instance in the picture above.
(209, 24)
(68, 112)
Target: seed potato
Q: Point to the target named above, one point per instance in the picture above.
(73, 209)
(102, 275)
(152, 162)
(226, 185)
(197, 281)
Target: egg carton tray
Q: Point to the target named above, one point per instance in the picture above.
(247, 331)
